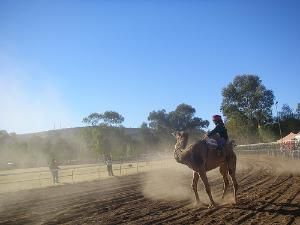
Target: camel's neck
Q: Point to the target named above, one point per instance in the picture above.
(179, 149)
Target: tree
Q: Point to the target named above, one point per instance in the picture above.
(247, 96)
(92, 119)
(298, 111)
(289, 121)
(109, 118)
(93, 137)
(4, 136)
(149, 138)
(159, 120)
(241, 130)
(112, 118)
(286, 112)
(106, 146)
(182, 118)
(4, 140)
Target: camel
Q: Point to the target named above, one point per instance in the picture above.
(201, 157)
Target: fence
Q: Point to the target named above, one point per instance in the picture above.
(41, 177)
(271, 149)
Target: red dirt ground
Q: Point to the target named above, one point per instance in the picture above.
(267, 195)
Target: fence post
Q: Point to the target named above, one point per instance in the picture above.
(120, 168)
(40, 179)
(72, 175)
(137, 165)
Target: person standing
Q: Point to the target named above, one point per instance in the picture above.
(108, 159)
(53, 166)
(109, 166)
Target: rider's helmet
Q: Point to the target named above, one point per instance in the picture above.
(217, 118)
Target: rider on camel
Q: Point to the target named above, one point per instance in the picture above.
(220, 131)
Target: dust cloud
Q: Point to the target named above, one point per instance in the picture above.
(172, 183)
(29, 108)
(273, 164)
(283, 165)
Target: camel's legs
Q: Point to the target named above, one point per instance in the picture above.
(232, 169)
(194, 185)
(203, 176)
(224, 172)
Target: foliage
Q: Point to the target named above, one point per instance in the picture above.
(286, 112)
(112, 118)
(289, 120)
(149, 138)
(247, 106)
(106, 136)
(93, 137)
(108, 118)
(159, 120)
(92, 119)
(248, 97)
(267, 134)
(298, 111)
(182, 118)
(106, 140)
(241, 130)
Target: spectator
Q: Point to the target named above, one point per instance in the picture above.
(107, 152)
(108, 163)
(53, 166)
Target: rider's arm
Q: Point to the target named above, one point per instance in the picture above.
(213, 132)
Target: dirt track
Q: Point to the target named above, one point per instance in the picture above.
(267, 195)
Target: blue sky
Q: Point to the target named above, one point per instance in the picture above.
(62, 60)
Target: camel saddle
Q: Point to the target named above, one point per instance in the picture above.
(211, 143)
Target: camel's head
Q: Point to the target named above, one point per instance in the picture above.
(181, 142)
(181, 139)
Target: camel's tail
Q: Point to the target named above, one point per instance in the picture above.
(234, 161)
(231, 159)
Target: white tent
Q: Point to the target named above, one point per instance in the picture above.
(297, 137)
(288, 138)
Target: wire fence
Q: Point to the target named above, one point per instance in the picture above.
(285, 151)
(42, 177)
